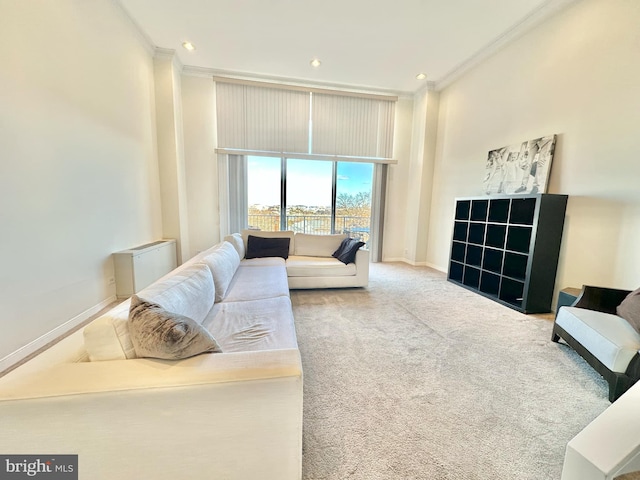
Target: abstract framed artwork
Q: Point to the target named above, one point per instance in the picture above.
(522, 168)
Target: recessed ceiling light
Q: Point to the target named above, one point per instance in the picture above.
(315, 63)
(421, 76)
(189, 46)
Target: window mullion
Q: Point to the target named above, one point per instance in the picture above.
(334, 190)
(283, 194)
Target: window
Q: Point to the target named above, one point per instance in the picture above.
(302, 158)
(309, 196)
(309, 187)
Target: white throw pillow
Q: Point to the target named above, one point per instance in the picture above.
(223, 263)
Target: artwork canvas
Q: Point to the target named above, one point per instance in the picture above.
(522, 168)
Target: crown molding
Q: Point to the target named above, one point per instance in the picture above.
(535, 18)
(170, 55)
(145, 40)
(294, 82)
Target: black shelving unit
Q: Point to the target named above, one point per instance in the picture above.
(506, 248)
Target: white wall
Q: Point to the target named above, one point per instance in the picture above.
(578, 76)
(395, 217)
(78, 166)
(173, 196)
(198, 97)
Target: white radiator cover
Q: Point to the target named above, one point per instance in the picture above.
(138, 267)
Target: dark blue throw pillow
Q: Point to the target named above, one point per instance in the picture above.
(347, 250)
(259, 247)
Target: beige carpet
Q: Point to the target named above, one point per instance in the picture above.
(416, 378)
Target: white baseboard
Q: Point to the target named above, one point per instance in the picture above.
(32, 347)
(415, 264)
(440, 268)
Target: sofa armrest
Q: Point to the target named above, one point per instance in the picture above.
(85, 378)
(600, 299)
(210, 416)
(362, 267)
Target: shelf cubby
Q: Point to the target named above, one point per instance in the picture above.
(499, 210)
(479, 210)
(462, 210)
(506, 248)
(455, 271)
(458, 251)
(473, 256)
(490, 283)
(492, 260)
(476, 233)
(518, 238)
(496, 235)
(471, 277)
(460, 230)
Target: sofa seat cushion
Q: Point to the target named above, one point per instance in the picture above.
(300, 266)
(317, 245)
(257, 282)
(608, 337)
(265, 324)
(263, 262)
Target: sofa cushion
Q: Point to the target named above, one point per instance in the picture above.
(629, 309)
(347, 250)
(223, 263)
(318, 267)
(158, 333)
(107, 337)
(254, 283)
(608, 337)
(317, 245)
(265, 324)
(262, 234)
(258, 247)
(188, 291)
(235, 239)
(263, 262)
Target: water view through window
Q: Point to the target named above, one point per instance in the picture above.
(316, 198)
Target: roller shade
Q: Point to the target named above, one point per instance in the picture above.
(352, 126)
(258, 118)
(255, 118)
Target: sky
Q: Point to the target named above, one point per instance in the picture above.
(308, 181)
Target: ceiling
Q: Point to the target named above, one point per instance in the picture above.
(365, 44)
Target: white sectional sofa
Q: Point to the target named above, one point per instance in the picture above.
(310, 263)
(235, 415)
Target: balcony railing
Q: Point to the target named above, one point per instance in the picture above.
(355, 227)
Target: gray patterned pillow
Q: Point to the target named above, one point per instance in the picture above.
(157, 333)
(629, 309)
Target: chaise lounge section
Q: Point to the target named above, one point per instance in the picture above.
(232, 415)
(310, 262)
